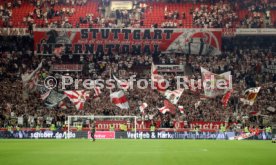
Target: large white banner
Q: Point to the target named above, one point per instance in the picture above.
(212, 83)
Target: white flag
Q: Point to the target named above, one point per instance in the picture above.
(213, 85)
(173, 96)
(197, 104)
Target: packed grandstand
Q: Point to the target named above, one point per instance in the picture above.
(88, 39)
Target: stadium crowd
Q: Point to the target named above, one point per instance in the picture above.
(247, 61)
(210, 13)
(247, 58)
(220, 15)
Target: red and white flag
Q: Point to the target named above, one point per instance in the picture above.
(158, 80)
(181, 108)
(226, 98)
(78, 98)
(250, 95)
(62, 105)
(30, 80)
(45, 95)
(119, 99)
(243, 136)
(123, 84)
(97, 92)
(173, 96)
(164, 109)
(168, 107)
(43, 91)
(142, 107)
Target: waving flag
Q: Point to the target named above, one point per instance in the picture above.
(168, 107)
(78, 98)
(211, 88)
(158, 80)
(97, 92)
(62, 105)
(45, 95)
(250, 95)
(181, 108)
(226, 98)
(197, 104)
(119, 99)
(123, 84)
(142, 107)
(43, 91)
(30, 80)
(173, 96)
(53, 99)
(164, 109)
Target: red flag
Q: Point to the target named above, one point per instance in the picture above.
(226, 98)
(169, 105)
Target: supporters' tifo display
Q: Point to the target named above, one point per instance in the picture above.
(169, 64)
(138, 69)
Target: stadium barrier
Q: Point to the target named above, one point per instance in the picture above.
(46, 134)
